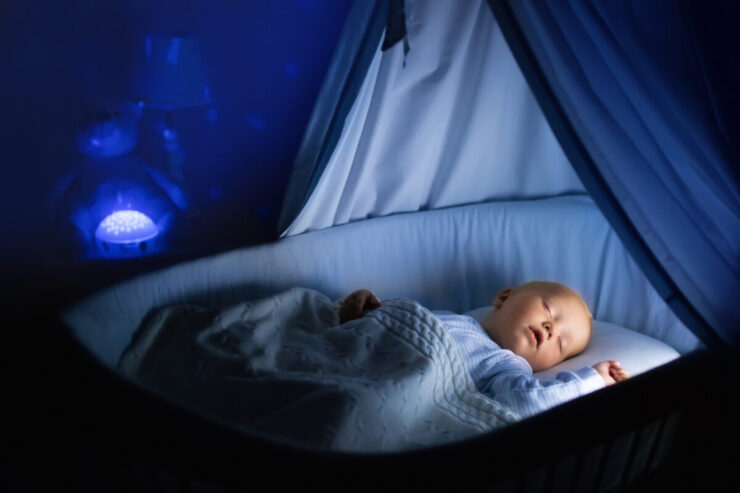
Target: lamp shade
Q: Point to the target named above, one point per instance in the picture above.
(170, 72)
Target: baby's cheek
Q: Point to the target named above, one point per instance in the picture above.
(545, 361)
(520, 349)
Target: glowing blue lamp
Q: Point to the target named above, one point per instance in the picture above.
(126, 227)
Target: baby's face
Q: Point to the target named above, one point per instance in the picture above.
(542, 322)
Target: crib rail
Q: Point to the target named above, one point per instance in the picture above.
(616, 439)
(605, 467)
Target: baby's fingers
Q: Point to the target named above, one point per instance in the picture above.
(373, 302)
(620, 375)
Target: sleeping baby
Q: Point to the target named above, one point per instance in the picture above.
(531, 328)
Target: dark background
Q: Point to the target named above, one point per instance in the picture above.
(64, 62)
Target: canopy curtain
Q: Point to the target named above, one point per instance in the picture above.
(624, 87)
(362, 31)
(445, 118)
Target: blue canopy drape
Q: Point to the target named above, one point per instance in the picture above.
(629, 91)
(366, 22)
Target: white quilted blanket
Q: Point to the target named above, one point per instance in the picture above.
(285, 368)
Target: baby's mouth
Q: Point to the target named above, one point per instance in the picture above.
(537, 337)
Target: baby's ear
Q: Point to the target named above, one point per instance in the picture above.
(498, 301)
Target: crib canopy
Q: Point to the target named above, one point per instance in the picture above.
(433, 104)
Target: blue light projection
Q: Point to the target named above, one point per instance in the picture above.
(126, 226)
(105, 196)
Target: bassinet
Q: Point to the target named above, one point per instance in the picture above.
(453, 259)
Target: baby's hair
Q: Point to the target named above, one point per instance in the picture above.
(590, 316)
(590, 323)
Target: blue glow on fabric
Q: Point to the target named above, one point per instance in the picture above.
(126, 226)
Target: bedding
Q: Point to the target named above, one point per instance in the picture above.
(283, 367)
(636, 352)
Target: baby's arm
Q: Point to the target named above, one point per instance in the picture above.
(357, 304)
(510, 381)
(611, 372)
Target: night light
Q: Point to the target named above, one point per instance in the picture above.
(126, 226)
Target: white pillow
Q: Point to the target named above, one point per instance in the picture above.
(636, 352)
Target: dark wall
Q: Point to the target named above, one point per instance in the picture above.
(65, 62)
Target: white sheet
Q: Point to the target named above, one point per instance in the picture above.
(282, 366)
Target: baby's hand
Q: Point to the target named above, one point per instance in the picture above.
(611, 372)
(356, 303)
